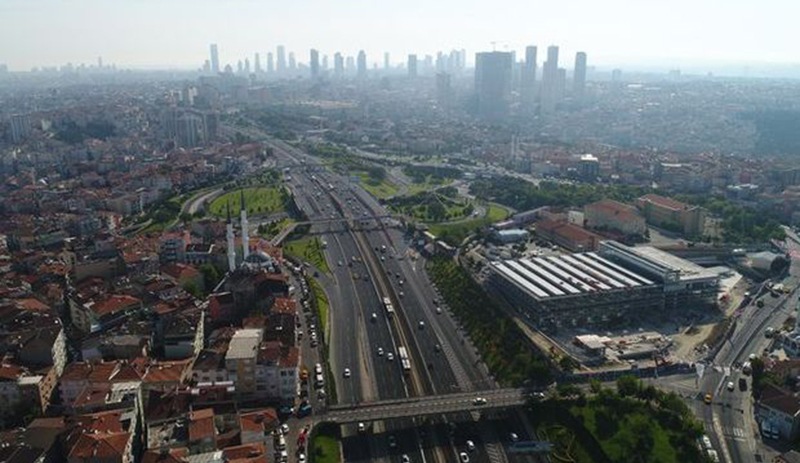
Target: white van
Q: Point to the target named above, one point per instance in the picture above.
(280, 443)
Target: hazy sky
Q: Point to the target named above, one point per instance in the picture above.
(176, 33)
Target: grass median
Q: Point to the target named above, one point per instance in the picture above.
(309, 250)
(324, 444)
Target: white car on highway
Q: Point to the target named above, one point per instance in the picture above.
(346, 373)
(380, 351)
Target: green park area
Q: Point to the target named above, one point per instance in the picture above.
(437, 206)
(323, 306)
(273, 228)
(309, 250)
(634, 423)
(324, 444)
(454, 232)
(380, 188)
(164, 214)
(259, 200)
(504, 348)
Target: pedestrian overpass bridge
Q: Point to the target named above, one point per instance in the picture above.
(423, 406)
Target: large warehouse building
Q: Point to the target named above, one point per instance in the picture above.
(613, 283)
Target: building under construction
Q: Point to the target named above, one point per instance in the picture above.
(610, 285)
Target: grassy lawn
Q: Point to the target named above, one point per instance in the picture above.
(617, 433)
(381, 189)
(455, 232)
(323, 306)
(429, 184)
(274, 228)
(324, 445)
(309, 250)
(259, 200)
(653, 427)
(165, 214)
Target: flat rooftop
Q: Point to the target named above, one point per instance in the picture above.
(244, 344)
(685, 268)
(569, 275)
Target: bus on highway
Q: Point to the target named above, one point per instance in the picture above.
(404, 360)
(387, 304)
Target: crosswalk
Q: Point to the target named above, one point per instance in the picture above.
(495, 453)
(734, 433)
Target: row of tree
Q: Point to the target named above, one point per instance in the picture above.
(510, 357)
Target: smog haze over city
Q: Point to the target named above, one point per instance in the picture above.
(733, 37)
(416, 231)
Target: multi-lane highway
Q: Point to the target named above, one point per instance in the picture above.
(729, 419)
(366, 267)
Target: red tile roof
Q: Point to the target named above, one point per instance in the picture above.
(247, 453)
(167, 372)
(665, 202)
(567, 230)
(779, 399)
(621, 210)
(166, 456)
(180, 271)
(201, 424)
(115, 303)
(258, 421)
(10, 372)
(285, 305)
(91, 447)
(32, 304)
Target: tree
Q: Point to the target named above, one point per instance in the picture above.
(595, 386)
(628, 385)
(185, 217)
(211, 276)
(436, 211)
(376, 173)
(567, 363)
(192, 288)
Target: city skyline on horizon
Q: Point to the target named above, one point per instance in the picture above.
(130, 35)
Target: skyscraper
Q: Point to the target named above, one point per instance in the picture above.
(281, 65)
(412, 66)
(444, 91)
(338, 65)
(258, 64)
(493, 83)
(550, 77)
(579, 78)
(20, 127)
(386, 60)
(270, 63)
(292, 61)
(362, 64)
(528, 78)
(214, 58)
(313, 63)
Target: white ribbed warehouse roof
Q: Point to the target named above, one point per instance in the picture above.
(568, 275)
